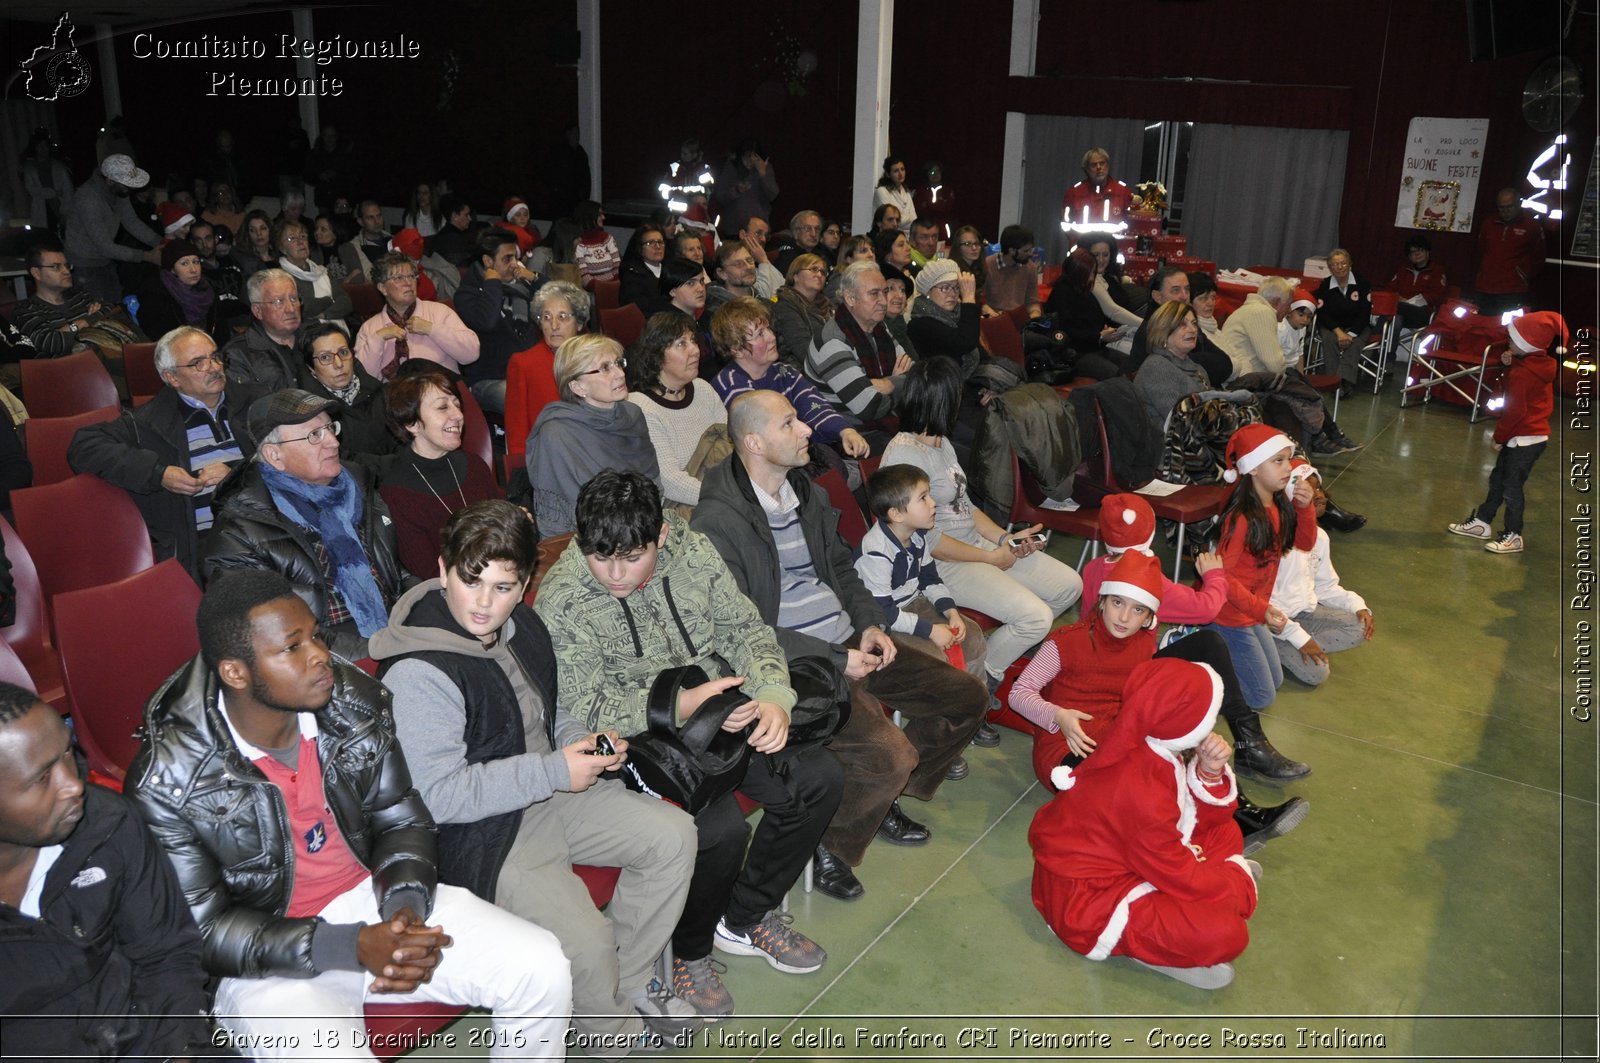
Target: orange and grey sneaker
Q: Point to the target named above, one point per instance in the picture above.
(697, 984)
(775, 941)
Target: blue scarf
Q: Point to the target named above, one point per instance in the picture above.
(334, 512)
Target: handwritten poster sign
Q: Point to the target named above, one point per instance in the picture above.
(1439, 177)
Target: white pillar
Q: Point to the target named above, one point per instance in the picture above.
(110, 86)
(589, 89)
(306, 67)
(1024, 37)
(1011, 172)
(1024, 52)
(874, 36)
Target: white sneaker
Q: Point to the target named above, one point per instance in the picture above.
(1508, 543)
(1214, 977)
(1062, 505)
(1472, 528)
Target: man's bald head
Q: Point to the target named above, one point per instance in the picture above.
(751, 413)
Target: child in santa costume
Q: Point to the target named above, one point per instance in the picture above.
(1138, 855)
(1524, 428)
(1075, 673)
(1072, 689)
(1269, 514)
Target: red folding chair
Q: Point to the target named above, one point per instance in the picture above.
(61, 387)
(49, 437)
(113, 658)
(1457, 358)
(852, 523)
(12, 670)
(607, 294)
(1375, 355)
(81, 532)
(475, 436)
(1027, 508)
(29, 634)
(624, 324)
(139, 369)
(366, 299)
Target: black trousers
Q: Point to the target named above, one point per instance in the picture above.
(799, 792)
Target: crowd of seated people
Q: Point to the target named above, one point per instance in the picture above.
(305, 462)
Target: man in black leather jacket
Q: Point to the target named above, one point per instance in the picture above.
(103, 959)
(271, 776)
(298, 510)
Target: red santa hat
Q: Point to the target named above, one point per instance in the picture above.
(1137, 577)
(1249, 447)
(1534, 333)
(1303, 300)
(408, 242)
(511, 206)
(1126, 521)
(173, 217)
(1168, 705)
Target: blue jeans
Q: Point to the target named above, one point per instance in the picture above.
(491, 395)
(1255, 659)
(1511, 469)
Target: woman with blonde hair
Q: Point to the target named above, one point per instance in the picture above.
(592, 428)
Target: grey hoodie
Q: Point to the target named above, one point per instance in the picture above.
(430, 715)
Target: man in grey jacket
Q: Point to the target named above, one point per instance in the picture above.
(515, 781)
(98, 210)
(779, 538)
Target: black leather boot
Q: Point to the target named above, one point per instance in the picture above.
(1260, 825)
(1254, 756)
(1337, 518)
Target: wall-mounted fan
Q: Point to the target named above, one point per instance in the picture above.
(1552, 94)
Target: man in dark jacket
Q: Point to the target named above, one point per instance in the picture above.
(262, 359)
(271, 776)
(780, 540)
(172, 452)
(103, 957)
(299, 511)
(494, 301)
(515, 780)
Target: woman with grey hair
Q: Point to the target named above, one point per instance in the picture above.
(561, 310)
(592, 428)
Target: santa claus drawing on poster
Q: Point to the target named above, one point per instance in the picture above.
(1436, 204)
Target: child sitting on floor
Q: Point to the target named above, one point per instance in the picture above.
(1138, 854)
(1323, 617)
(1072, 689)
(1128, 523)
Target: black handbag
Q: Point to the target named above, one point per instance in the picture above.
(822, 705)
(693, 765)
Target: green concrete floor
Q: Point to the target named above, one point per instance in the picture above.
(1441, 895)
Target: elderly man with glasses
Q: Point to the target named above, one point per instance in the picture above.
(172, 452)
(409, 327)
(300, 511)
(262, 359)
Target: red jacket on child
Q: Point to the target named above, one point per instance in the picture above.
(1530, 399)
(1250, 578)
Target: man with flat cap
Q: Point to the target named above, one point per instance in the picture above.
(298, 510)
